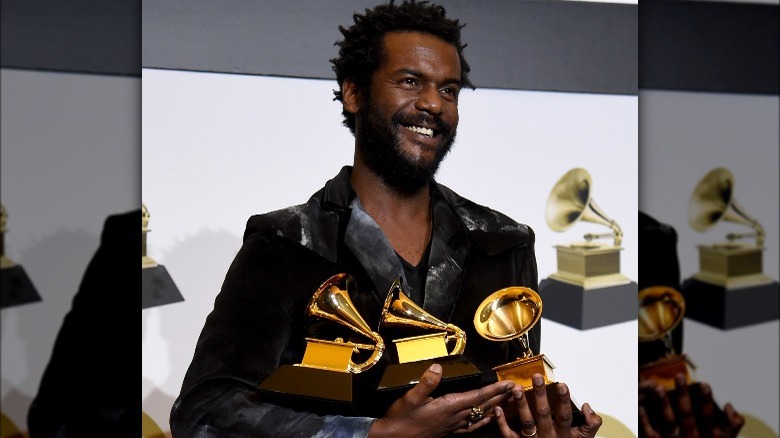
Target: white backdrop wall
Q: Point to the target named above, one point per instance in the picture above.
(70, 159)
(685, 135)
(218, 148)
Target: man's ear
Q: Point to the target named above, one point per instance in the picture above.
(350, 96)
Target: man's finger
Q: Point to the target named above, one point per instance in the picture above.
(563, 411)
(708, 412)
(645, 427)
(736, 421)
(503, 427)
(685, 407)
(591, 425)
(524, 412)
(543, 414)
(420, 393)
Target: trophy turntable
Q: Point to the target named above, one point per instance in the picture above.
(324, 381)
(661, 309)
(157, 286)
(588, 290)
(15, 285)
(730, 290)
(440, 343)
(507, 315)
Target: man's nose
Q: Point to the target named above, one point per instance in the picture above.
(430, 100)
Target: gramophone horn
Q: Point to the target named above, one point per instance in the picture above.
(661, 309)
(331, 302)
(400, 311)
(712, 201)
(570, 201)
(508, 313)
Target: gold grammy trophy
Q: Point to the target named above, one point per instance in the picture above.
(443, 344)
(730, 290)
(324, 380)
(157, 286)
(661, 309)
(588, 290)
(15, 286)
(730, 264)
(508, 315)
(589, 263)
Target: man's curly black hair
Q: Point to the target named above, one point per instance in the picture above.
(360, 53)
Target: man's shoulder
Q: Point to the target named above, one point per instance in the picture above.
(493, 230)
(308, 225)
(283, 222)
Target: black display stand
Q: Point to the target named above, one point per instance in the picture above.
(725, 308)
(582, 308)
(158, 288)
(458, 375)
(321, 391)
(16, 287)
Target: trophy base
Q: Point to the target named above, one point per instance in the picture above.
(731, 265)
(324, 392)
(17, 289)
(589, 265)
(158, 288)
(727, 308)
(582, 308)
(458, 375)
(665, 370)
(522, 370)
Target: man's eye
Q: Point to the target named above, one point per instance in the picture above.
(409, 81)
(450, 91)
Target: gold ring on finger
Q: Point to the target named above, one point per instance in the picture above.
(529, 434)
(476, 414)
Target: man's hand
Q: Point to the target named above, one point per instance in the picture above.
(540, 423)
(658, 417)
(417, 414)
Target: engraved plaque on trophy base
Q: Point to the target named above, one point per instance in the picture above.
(581, 308)
(589, 265)
(521, 372)
(728, 308)
(665, 370)
(158, 288)
(16, 287)
(731, 266)
(458, 375)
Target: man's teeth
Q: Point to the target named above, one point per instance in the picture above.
(420, 130)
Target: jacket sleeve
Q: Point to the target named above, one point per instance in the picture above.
(230, 409)
(255, 326)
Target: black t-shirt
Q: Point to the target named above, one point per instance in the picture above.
(415, 277)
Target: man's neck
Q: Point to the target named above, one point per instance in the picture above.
(404, 219)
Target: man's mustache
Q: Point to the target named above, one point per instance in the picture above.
(425, 119)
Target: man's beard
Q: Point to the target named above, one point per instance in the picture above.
(379, 142)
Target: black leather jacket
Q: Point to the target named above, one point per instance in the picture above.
(258, 319)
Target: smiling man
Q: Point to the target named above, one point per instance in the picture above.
(400, 70)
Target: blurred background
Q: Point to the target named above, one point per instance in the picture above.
(709, 99)
(71, 133)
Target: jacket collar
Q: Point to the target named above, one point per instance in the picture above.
(459, 226)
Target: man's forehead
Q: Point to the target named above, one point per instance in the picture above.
(401, 46)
